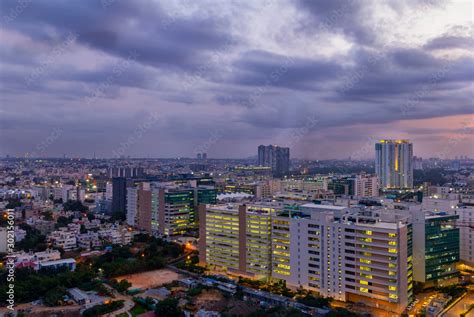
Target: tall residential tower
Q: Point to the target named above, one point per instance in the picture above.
(276, 157)
(393, 164)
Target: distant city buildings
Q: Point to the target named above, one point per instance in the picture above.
(201, 156)
(128, 172)
(394, 164)
(278, 158)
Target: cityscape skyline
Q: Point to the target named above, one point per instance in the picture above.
(224, 78)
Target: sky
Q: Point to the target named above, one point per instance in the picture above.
(327, 78)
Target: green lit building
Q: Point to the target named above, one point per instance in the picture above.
(436, 248)
(177, 208)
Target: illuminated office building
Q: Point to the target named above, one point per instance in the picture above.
(237, 238)
(436, 247)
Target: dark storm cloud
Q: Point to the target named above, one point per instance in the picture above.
(450, 41)
(159, 39)
(259, 68)
(340, 16)
(403, 71)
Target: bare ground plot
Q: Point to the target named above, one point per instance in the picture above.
(151, 279)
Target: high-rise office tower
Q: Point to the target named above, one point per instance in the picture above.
(276, 157)
(119, 195)
(436, 246)
(393, 163)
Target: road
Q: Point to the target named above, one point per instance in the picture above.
(422, 299)
(127, 304)
(65, 310)
(457, 309)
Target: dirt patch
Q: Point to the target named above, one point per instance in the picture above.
(151, 279)
(211, 300)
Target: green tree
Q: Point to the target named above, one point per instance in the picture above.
(54, 296)
(168, 308)
(74, 205)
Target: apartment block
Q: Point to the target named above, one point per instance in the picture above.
(347, 254)
(465, 224)
(366, 186)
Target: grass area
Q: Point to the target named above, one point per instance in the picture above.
(137, 310)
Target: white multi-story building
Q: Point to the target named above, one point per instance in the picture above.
(121, 235)
(88, 240)
(132, 204)
(347, 254)
(393, 164)
(64, 239)
(465, 224)
(437, 204)
(3, 240)
(108, 191)
(366, 186)
(48, 255)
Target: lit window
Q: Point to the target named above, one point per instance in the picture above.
(392, 250)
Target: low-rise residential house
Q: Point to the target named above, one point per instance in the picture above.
(63, 239)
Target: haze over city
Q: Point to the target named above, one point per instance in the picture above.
(172, 78)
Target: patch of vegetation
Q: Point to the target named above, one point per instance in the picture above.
(54, 297)
(168, 308)
(63, 221)
(121, 261)
(341, 312)
(310, 300)
(74, 205)
(277, 312)
(31, 285)
(121, 286)
(33, 240)
(13, 203)
(138, 310)
(103, 309)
